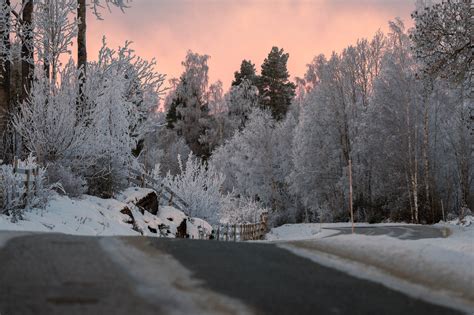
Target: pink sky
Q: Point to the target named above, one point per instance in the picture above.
(232, 30)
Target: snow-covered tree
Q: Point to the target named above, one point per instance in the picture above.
(189, 111)
(442, 38)
(255, 162)
(243, 98)
(54, 31)
(199, 185)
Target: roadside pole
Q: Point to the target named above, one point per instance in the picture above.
(350, 194)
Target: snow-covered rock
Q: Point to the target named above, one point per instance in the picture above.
(195, 228)
(144, 198)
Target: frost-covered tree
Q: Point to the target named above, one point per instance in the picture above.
(396, 128)
(47, 119)
(188, 113)
(442, 38)
(243, 98)
(255, 161)
(5, 72)
(199, 185)
(54, 31)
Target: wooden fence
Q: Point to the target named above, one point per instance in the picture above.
(28, 182)
(242, 232)
(223, 232)
(146, 181)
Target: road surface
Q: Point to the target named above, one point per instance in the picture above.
(61, 274)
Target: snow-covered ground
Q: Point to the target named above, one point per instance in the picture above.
(440, 269)
(306, 231)
(90, 215)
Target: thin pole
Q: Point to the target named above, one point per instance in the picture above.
(350, 195)
(442, 210)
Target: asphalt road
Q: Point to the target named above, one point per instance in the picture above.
(59, 274)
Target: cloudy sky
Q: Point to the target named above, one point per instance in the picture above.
(232, 30)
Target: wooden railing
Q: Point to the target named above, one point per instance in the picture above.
(146, 181)
(242, 232)
(28, 182)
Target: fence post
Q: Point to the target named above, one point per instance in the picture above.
(27, 186)
(227, 233)
(15, 164)
(218, 231)
(36, 174)
(235, 232)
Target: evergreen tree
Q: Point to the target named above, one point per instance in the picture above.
(276, 91)
(247, 71)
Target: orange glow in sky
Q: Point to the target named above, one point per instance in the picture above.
(232, 30)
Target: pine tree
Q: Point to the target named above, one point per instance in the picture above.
(276, 91)
(247, 71)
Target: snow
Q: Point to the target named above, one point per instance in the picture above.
(95, 216)
(133, 194)
(307, 231)
(465, 222)
(85, 216)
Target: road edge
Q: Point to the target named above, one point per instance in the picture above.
(389, 278)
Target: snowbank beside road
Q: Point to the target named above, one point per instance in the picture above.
(95, 216)
(439, 264)
(307, 231)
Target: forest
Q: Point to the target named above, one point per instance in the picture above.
(394, 111)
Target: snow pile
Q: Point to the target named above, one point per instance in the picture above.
(465, 222)
(293, 232)
(86, 216)
(90, 215)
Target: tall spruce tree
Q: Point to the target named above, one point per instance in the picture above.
(276, 91)
(247, 71)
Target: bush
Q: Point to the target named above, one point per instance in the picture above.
(73, 185)
(236, 210)
(200, 187)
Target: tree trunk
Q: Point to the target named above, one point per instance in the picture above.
(81, 48)
(27, 64)
(426, 163)
(4, 74)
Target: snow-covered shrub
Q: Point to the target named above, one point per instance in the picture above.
(73, 185)
(12, 189)
(199, 185)
(236, 210)
(122, 90)
(47, 120)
